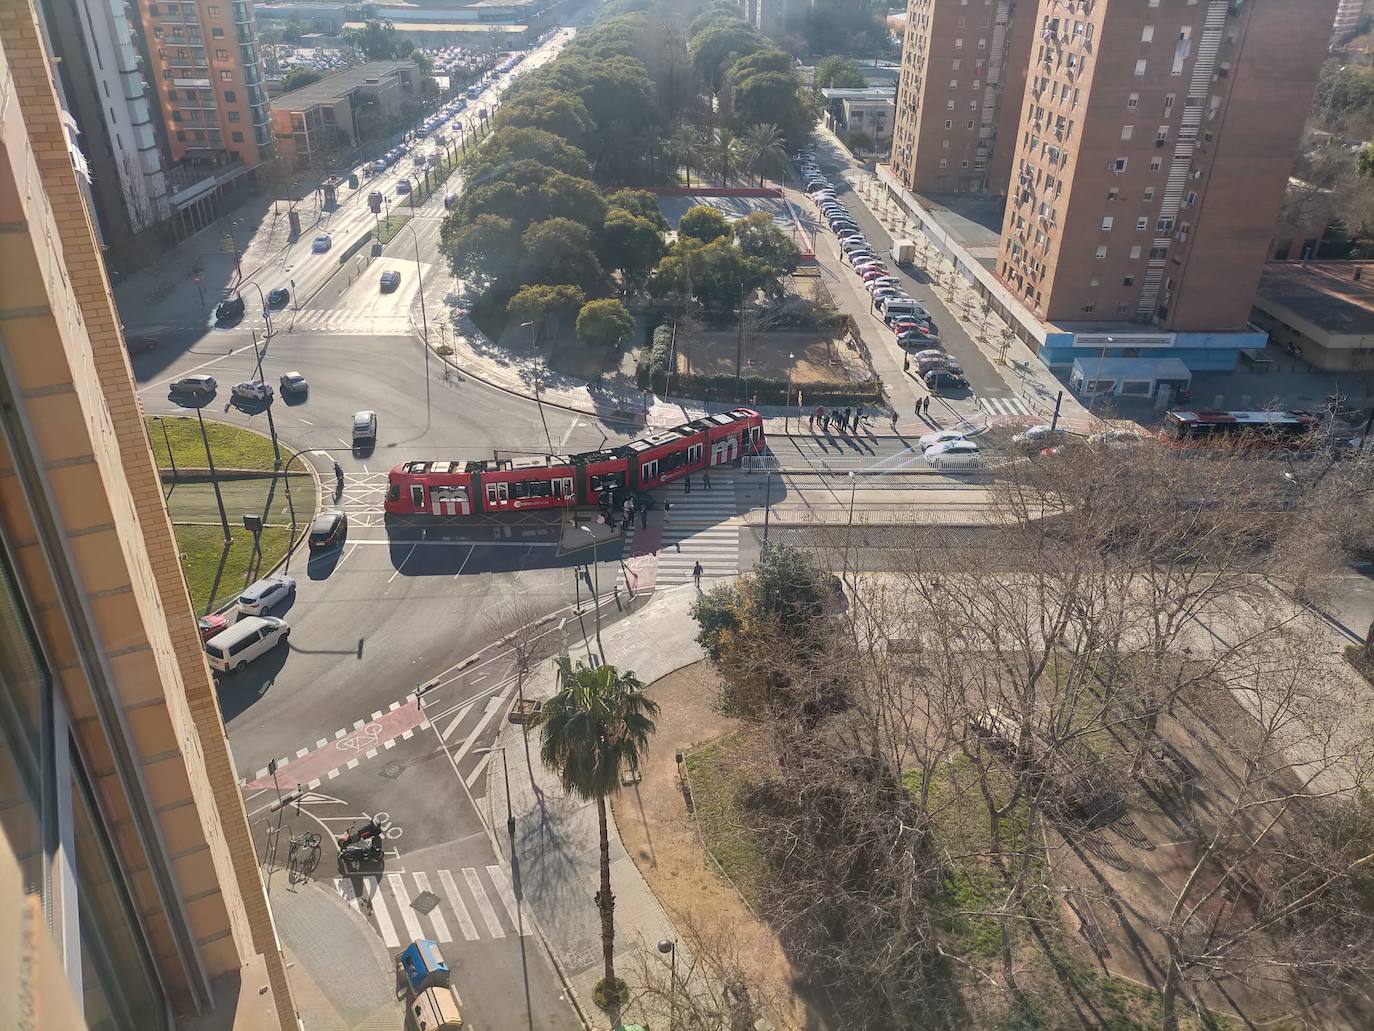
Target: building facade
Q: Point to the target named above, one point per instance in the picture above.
(958, 60)
(319, 121)
(119, 798)
(204, 66)
(1155, 143)
(1349, 14)
(101, 85)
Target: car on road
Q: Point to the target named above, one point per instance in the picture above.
(210, 625)
(378, 166)
(230, 309)
(252, 391)
(364, 429)
(196, 385)
(329, 529)
(944, 363)
(390, 280)
(265, 594)
(278, 298)
(248, 638)
(321, 243)
(402, 187)
(1038, 436)
(929, 440)
(294, 383)
(943, 379)
(952, 447)
(139, 344)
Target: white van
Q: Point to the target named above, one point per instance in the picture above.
(434, 1009)
(902, 306)
(243, 642)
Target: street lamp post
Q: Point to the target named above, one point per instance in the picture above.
(271, 424)
(669, 949)
(596, 593)
(266, 313)
(787, 401)
(538, 399)
(424, 316)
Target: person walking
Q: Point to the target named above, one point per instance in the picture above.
(706, 478)
(696, 575)
(820, 415)
(644, 517)
(686, 485)
(667, 512)
(858, 416)
(848, 423)
(811, 423)
(893, 418)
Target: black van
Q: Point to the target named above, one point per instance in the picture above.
(329, 529)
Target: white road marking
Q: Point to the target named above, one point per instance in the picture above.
(477, 770)
(492, 710)
(483, 903)
(379, 910)
(403, 562)
(301, 753)
(571, 426)
(398, 889)
(322, 742)
(448, 731)
(307, 422)
(435, 917)
(194, 368)
(459, 909)
(464, 563)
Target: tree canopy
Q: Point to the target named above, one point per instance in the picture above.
(630, 244)
(759, 237)
(379, 41)
(605, 323)
(488, 247)
(703, 222)
(716, 48)
(835, 72)
(508, 145)
(559, 250)
(539, 302)
(298, 77)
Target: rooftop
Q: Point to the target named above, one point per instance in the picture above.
(1337, 296)
(341, 84)
(866, 93)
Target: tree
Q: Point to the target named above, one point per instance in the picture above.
(835, 72)
(858, 141)
(776, 98)
(688, 149)
(508, 145)
(605, 323)
(487, 248)
(631, 244)
(640, 203)
(762, 152)
(703, 222)
(715, 49)
(379, 41)
(298, 77)
(540, 303)
(724, 154)
(564, 116)
(759, 237)
(597, 724)
(559, 250)
(527, 191)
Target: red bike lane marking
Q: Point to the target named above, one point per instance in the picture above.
(318, 763)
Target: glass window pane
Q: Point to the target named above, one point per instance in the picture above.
(23, 694)
(119, 989)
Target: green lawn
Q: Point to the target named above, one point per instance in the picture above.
(233, 448)
(715, 772)
(389, 227)
(215, 578)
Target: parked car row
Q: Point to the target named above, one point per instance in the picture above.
(901, 312)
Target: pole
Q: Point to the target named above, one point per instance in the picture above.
(510, 813)
(672, 989)
(1054, 422)
(767, 499)
(271, 423)
(596, 593)
(214, 477)
(849, 526)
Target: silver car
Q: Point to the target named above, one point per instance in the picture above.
(259, 598)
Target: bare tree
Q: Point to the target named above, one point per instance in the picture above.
(525, 632)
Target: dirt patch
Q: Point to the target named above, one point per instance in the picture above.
(659, 834)
(804, 357)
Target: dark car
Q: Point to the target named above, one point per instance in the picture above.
(364, 429)
(391, 279)
(328, 530)
(229, 310)
(139, 344)
(942, 379)
(278, 298)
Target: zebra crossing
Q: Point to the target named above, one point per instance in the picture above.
(474, 903)
(703, 526)
(1005, 406)
(343, 323)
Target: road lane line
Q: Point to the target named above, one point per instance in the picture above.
(483, 903)
(503, 890)
(381, 913)
(194, 368)
(477, 770)
(464, 564)
(435, 917)
(571, 426)
(398, 889)
(448, 731)
(492, 710)
(403, 562)
(307, 422)
(459, 909)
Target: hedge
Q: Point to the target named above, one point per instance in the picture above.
(726, 388)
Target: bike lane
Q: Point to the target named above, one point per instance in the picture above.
(350, 747)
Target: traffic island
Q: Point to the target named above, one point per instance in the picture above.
(220, 554)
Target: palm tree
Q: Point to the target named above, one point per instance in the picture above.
(597, 724)
(686, 149)
(763, 151)
(725, 154)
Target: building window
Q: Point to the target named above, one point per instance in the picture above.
(953, 83)
(1147, 34)
(1133, 100)
(1127, 131)
(230, 97)
(1101, 253)
(1158, 253)
(944, 162)
(225, 76)
(237, 137)
(1161, 134)
(1156, 164)
(1087, 309)
(1123, 309)
(1135, 253)
(1165, 225)
(1119, 165)
(954, 65)
(1128, 281)
(1140, 67)
(949, 124)
(233, 116)
(1107, 222)
(963, 164)
(949, 105)
(1094, 281)
(1168, 102)
(218, 33)
(181, 135)
(982, 44)
(221, 55)
(176, 115)
(1142, 223)
(1113, 193)
(959, 44)
(1149, 193)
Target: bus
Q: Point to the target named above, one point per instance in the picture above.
(1281, 429)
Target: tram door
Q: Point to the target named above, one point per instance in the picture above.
(725, 451)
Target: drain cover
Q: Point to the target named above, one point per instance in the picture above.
(424, 902)
(393, 770)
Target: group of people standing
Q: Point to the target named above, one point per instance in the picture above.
(847, 420)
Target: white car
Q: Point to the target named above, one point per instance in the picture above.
(952, 447)
(935, 353)
(1041, 434)
(251, 390)
(883, 283)
(930, 440)
(259, 598)
(321, 243)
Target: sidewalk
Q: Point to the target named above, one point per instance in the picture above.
(556, 838)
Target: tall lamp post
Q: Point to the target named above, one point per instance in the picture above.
(538, 399)
(271, 424)
(596, 593)
(669, 949)
(424, 317)
(266, 313)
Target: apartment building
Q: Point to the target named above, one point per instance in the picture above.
(101, 85)
(321, 120)
(1154, 149)
(960, 59)
(118, 799)
(204, 65)
(1349, 14)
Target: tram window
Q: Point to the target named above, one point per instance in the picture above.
(671, 462)
(496, 492)
(530, 489)
(648, 471)
(694, 454)
(393, 492)
(562, 488)
(417, 495)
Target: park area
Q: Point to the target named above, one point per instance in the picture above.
(217, 569)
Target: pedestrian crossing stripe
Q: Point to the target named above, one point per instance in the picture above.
(342, 321)
(1006, 406)
(702, 526)
(386, 900)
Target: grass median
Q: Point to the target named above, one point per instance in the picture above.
(231, 447)
(216, 573)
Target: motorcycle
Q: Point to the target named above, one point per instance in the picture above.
(359, 852)
(371, 829)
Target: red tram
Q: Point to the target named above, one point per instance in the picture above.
(446, 488)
